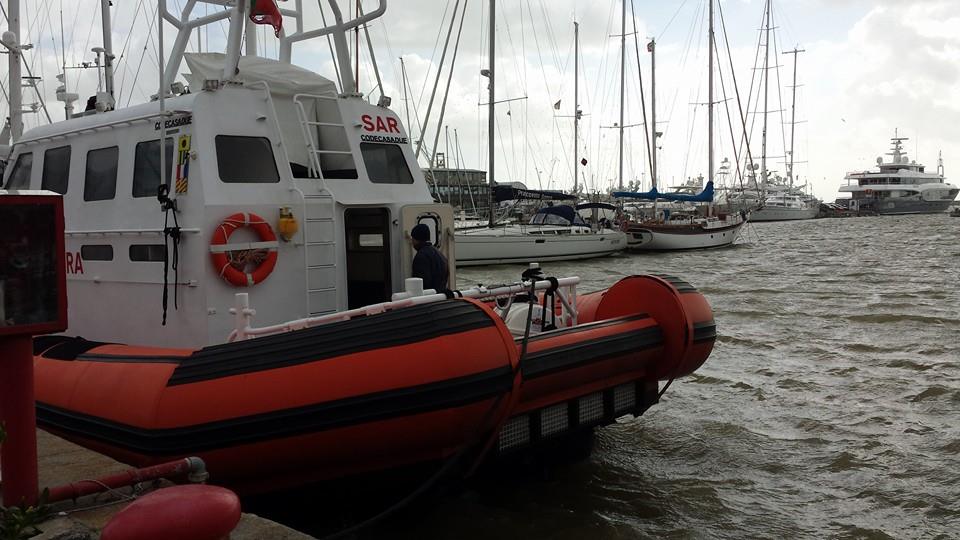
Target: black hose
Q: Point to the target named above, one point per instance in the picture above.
(454, 459)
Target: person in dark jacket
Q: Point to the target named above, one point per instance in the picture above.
(428, 264)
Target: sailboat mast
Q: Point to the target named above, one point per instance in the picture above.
(623, 78)
(766, 92)
(491, 120)
(576, 99)
(16, 86)
(652, 47)
(793, 112)
(710, 97)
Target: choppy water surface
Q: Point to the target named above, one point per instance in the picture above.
(830, 406)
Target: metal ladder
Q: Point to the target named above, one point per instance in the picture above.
(309, 131)
(320, 253)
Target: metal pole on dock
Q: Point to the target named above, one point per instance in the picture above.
(18, 416)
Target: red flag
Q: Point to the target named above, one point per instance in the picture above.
(266, 12)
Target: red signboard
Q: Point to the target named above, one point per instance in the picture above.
(33, 286)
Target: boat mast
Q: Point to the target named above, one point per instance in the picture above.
(576, 99)
(793, 112)
(406, 101)
(107, 47)
(710, 97)
(623, 78)
(652, 47)
(491, 121)
(11, 38)
(766, 86)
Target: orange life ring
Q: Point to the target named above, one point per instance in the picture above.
(230, 260)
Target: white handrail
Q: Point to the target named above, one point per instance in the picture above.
(243, 313)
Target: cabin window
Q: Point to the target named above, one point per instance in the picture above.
(146, 167)
(246, 160)
(97, 252)
(147, 252)
(56, 169)
(385, 164)
(20, 175)
(100, 181)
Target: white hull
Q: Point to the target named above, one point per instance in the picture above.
(514, 245)
(772, 213)
(680, 237)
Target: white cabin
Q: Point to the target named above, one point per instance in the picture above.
(276, 139)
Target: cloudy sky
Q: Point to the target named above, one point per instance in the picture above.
(869, 67)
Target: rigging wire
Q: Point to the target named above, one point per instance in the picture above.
(643, 99)
(146, 45)
(433, 54)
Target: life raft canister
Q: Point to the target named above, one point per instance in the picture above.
(230, 260)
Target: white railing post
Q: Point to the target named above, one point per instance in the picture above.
(413, 286)
(242, 316)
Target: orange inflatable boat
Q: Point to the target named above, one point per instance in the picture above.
(372, 393)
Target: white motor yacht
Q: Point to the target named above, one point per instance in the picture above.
(900, 186)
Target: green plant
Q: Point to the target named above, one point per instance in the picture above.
(20, 522)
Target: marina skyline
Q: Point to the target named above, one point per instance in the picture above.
(868, 68)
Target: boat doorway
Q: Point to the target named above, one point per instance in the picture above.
(368, 256)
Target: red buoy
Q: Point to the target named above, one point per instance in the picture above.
(196, 512)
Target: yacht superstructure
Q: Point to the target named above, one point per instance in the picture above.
(900, 186)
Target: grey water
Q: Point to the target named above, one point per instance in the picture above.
(829, 408)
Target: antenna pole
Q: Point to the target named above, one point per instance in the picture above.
(491, 120)
(107, 46)
(576, 100)
(16, 79)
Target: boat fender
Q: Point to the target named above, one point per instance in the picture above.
(232, 267)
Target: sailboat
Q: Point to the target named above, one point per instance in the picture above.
(666, 230)
(773, 197)
(555, 233)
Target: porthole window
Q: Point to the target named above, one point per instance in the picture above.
(147, 252)
(96, 252)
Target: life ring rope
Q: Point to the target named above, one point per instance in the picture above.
(231, 260)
